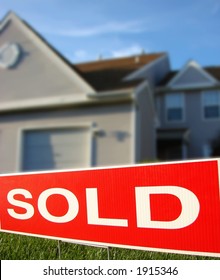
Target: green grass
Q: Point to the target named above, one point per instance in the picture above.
(18, 247)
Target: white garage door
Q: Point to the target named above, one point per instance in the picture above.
(56, 149)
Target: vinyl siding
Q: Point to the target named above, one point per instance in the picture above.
(202, 131)
(145, 127)
(112, 143)
(190, 77)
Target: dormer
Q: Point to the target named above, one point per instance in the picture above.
(192, 75)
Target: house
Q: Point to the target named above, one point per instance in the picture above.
(56, 115)
(59, 115)
(188, 107)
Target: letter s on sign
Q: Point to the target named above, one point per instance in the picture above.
(28, 207)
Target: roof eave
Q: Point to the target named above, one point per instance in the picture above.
(135, 74)
(109, 94)
(164, 89)
(64, 102)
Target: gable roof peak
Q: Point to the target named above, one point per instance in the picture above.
(207, 77)
(193, 63)
(10, 15)
(46, 47)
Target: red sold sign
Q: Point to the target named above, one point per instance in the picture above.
(171, 207)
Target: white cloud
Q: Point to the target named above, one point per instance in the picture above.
(128, 51)
(106, 28)
(80, 54)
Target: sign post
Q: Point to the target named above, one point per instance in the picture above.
(171, 207)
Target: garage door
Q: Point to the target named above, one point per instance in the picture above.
(56, 149)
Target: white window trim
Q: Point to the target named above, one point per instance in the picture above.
(90, 126)
(206, 150)
(183, 109)
(203, 107)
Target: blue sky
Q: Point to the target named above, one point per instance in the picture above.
(82, 30)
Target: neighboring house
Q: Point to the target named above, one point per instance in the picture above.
(188, 106)
(55, 115)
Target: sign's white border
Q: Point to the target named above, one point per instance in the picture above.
(106, 245)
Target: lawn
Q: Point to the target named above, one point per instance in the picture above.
(19, 247)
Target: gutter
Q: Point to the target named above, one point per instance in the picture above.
(118, 94)
(159, 90)
(73, 100)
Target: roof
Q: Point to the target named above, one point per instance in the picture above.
(168, 78)
(109, 74)
(214, 71)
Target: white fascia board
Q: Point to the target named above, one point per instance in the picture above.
(47, 102)
(195, 65)
(5, 21)
(51, 55)
(140, 88)
(111, 94)
(198, 87)
(193, 86)
(136, 74)
(59, 102)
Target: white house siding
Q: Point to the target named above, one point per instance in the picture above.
(202, 131)
(112, 136)
(145, 126)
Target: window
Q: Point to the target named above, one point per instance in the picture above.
(174, 107)
(211, 104)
